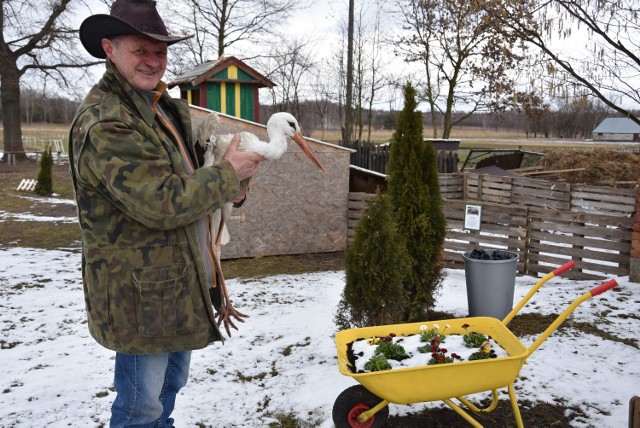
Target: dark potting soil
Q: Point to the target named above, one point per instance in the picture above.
(491, 255)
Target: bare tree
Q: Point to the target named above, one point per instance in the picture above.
(348, 121)
(466, 61)
(36, 37)
(376, 80)
(287, 63)
(603, 63)
(368, 65)
(321, 88)
(219, 24)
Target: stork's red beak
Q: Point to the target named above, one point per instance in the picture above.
(300, 141)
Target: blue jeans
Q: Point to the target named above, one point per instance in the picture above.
(146, 388)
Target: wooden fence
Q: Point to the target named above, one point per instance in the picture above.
(375, 157)
(546, 223)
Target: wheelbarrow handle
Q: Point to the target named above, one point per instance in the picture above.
(603, 287)
(565, 314)
(565, 267)
(557, 271)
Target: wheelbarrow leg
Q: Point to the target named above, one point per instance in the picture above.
(476, 409)
(514, 406)
(367, 414)
(467, 417)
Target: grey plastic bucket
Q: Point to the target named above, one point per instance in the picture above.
(490, 283)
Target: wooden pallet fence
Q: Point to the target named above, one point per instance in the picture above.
(600, 245)
(541, 193)
(451, 185)
(544, 239)
(604, 200)
(355, 207)
(502, 227)
(487, 188)
(544, 194)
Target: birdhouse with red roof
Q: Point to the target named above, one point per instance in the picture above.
(226, 85)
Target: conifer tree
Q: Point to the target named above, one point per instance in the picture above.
(375, 265)
(44, 185)
(412, 174)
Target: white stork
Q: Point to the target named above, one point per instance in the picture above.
(279, 127)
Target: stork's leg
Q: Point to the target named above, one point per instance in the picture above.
(227, 312)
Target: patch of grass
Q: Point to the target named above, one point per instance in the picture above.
(15, 204)
(594, 330)
(530, 324)
(533, 324)
(8, 345)
(280, 265)
(289, 349)
(38, 234)
(243, 378)
(26, 285)
(290, 420)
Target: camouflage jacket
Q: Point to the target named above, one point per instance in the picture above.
(144, 275)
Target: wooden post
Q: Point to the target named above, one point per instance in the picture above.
(634, 412)
(634, 263)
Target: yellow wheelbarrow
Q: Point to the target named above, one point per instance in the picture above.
(365, 405)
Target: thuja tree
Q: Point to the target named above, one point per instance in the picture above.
(414, 193)
(375, 264)
(44, 186)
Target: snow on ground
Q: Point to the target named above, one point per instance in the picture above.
(283, 359)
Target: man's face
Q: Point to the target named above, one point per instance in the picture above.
(141, 61)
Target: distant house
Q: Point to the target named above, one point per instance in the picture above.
(617, 129)
(226, 85)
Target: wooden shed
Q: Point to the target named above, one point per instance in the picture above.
(292, 207)
(226, 85)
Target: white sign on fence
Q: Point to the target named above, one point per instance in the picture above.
(472, 216)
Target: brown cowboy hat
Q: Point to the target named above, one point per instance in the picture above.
(127, 18)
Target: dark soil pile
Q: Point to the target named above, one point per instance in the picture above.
(598, 166)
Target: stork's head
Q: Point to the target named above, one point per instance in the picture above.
(206, 129)
(285, 124)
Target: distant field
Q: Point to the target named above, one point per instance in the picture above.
(382, 136)
(41, 134)
(482, 138)
(471, 138)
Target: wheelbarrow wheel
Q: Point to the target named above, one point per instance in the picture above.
(351, 403)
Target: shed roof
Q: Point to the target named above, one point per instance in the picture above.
(617, 125)
(207, 69)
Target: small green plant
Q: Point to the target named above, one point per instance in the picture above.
(389, 349)
(474, 340)
(377, 363)
(44, 185)
(429, 333)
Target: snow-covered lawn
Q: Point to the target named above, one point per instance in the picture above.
(283, 359)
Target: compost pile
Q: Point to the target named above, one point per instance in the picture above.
(601, 166)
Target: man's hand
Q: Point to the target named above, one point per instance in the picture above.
(244, 163)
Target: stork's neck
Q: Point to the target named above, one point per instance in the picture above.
(277, 145)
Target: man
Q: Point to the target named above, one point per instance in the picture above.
(142, 201)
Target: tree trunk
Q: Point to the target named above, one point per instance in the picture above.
(348, 123)
(10, 99)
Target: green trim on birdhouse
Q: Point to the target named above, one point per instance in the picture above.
(242, 75)
(213, 97)
(222, 74)
(230, 101)
(247, 101)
